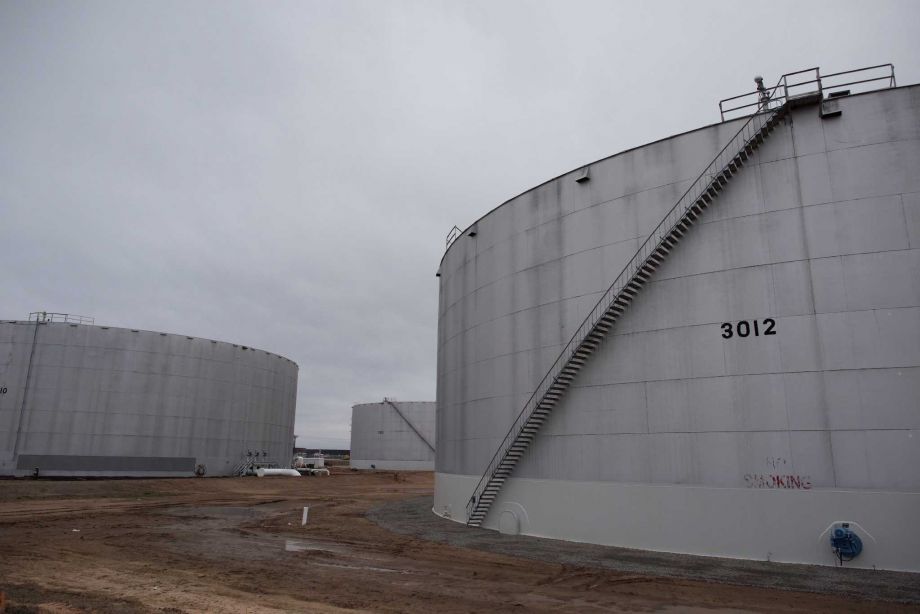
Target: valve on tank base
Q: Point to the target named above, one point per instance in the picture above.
(846, 544)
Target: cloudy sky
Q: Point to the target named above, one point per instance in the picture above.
(283, 174)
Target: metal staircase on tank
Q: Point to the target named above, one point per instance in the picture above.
(417, 432)
(252, 461)
(770, 111)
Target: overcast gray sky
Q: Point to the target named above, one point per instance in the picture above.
(282, 174)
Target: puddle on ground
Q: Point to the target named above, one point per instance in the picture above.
(224, 512)
(362, 568)
(303, 545)
(295, 545)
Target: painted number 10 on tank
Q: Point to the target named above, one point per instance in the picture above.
(745, 329)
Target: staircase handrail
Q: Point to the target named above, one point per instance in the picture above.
(53, 316)
(747, 133)
(409, 422)
(821, 81)
(452, 235)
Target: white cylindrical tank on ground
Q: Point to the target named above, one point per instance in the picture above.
(393, 435)
(762, 386)
(94, 400)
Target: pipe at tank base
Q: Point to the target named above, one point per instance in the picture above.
(261, 472)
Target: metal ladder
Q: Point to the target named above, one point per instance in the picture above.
(249, 462)
(242, 467)
(616, 299)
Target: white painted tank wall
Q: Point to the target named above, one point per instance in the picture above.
(672, 436)
(114, 401)
(383, 438)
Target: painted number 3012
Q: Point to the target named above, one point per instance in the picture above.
(743, 329)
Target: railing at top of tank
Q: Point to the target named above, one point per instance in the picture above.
(792, 84)
(742, 138)
(452, 236)
(48, 316)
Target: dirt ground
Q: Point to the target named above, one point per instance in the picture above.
(237, 545)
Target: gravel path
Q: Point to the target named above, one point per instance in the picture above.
(414, 517)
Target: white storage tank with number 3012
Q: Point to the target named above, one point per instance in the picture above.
(709, 344)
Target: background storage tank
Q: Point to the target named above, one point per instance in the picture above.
(80, 399)
(393, 435)
(762, 387)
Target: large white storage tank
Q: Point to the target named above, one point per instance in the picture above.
(760, 390)
(393, 434)
(79, 399)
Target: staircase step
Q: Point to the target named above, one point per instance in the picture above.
(635, 285)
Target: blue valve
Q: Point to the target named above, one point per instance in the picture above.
(846, 543)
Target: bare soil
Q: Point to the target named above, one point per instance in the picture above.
(237, 545)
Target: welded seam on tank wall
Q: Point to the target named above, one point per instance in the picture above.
(871, 143)
(644, 145)
(710, 377)
(709, 222)
(691, 324)
(151, 333)
(702, 223)
(25, 391)
(639, 331)
(604, 159)
(700, 274)
(809, 275)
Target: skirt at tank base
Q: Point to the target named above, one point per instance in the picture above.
(791, 526)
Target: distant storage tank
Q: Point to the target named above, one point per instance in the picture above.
(78, 399)
(750, 385)
(393, 435)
